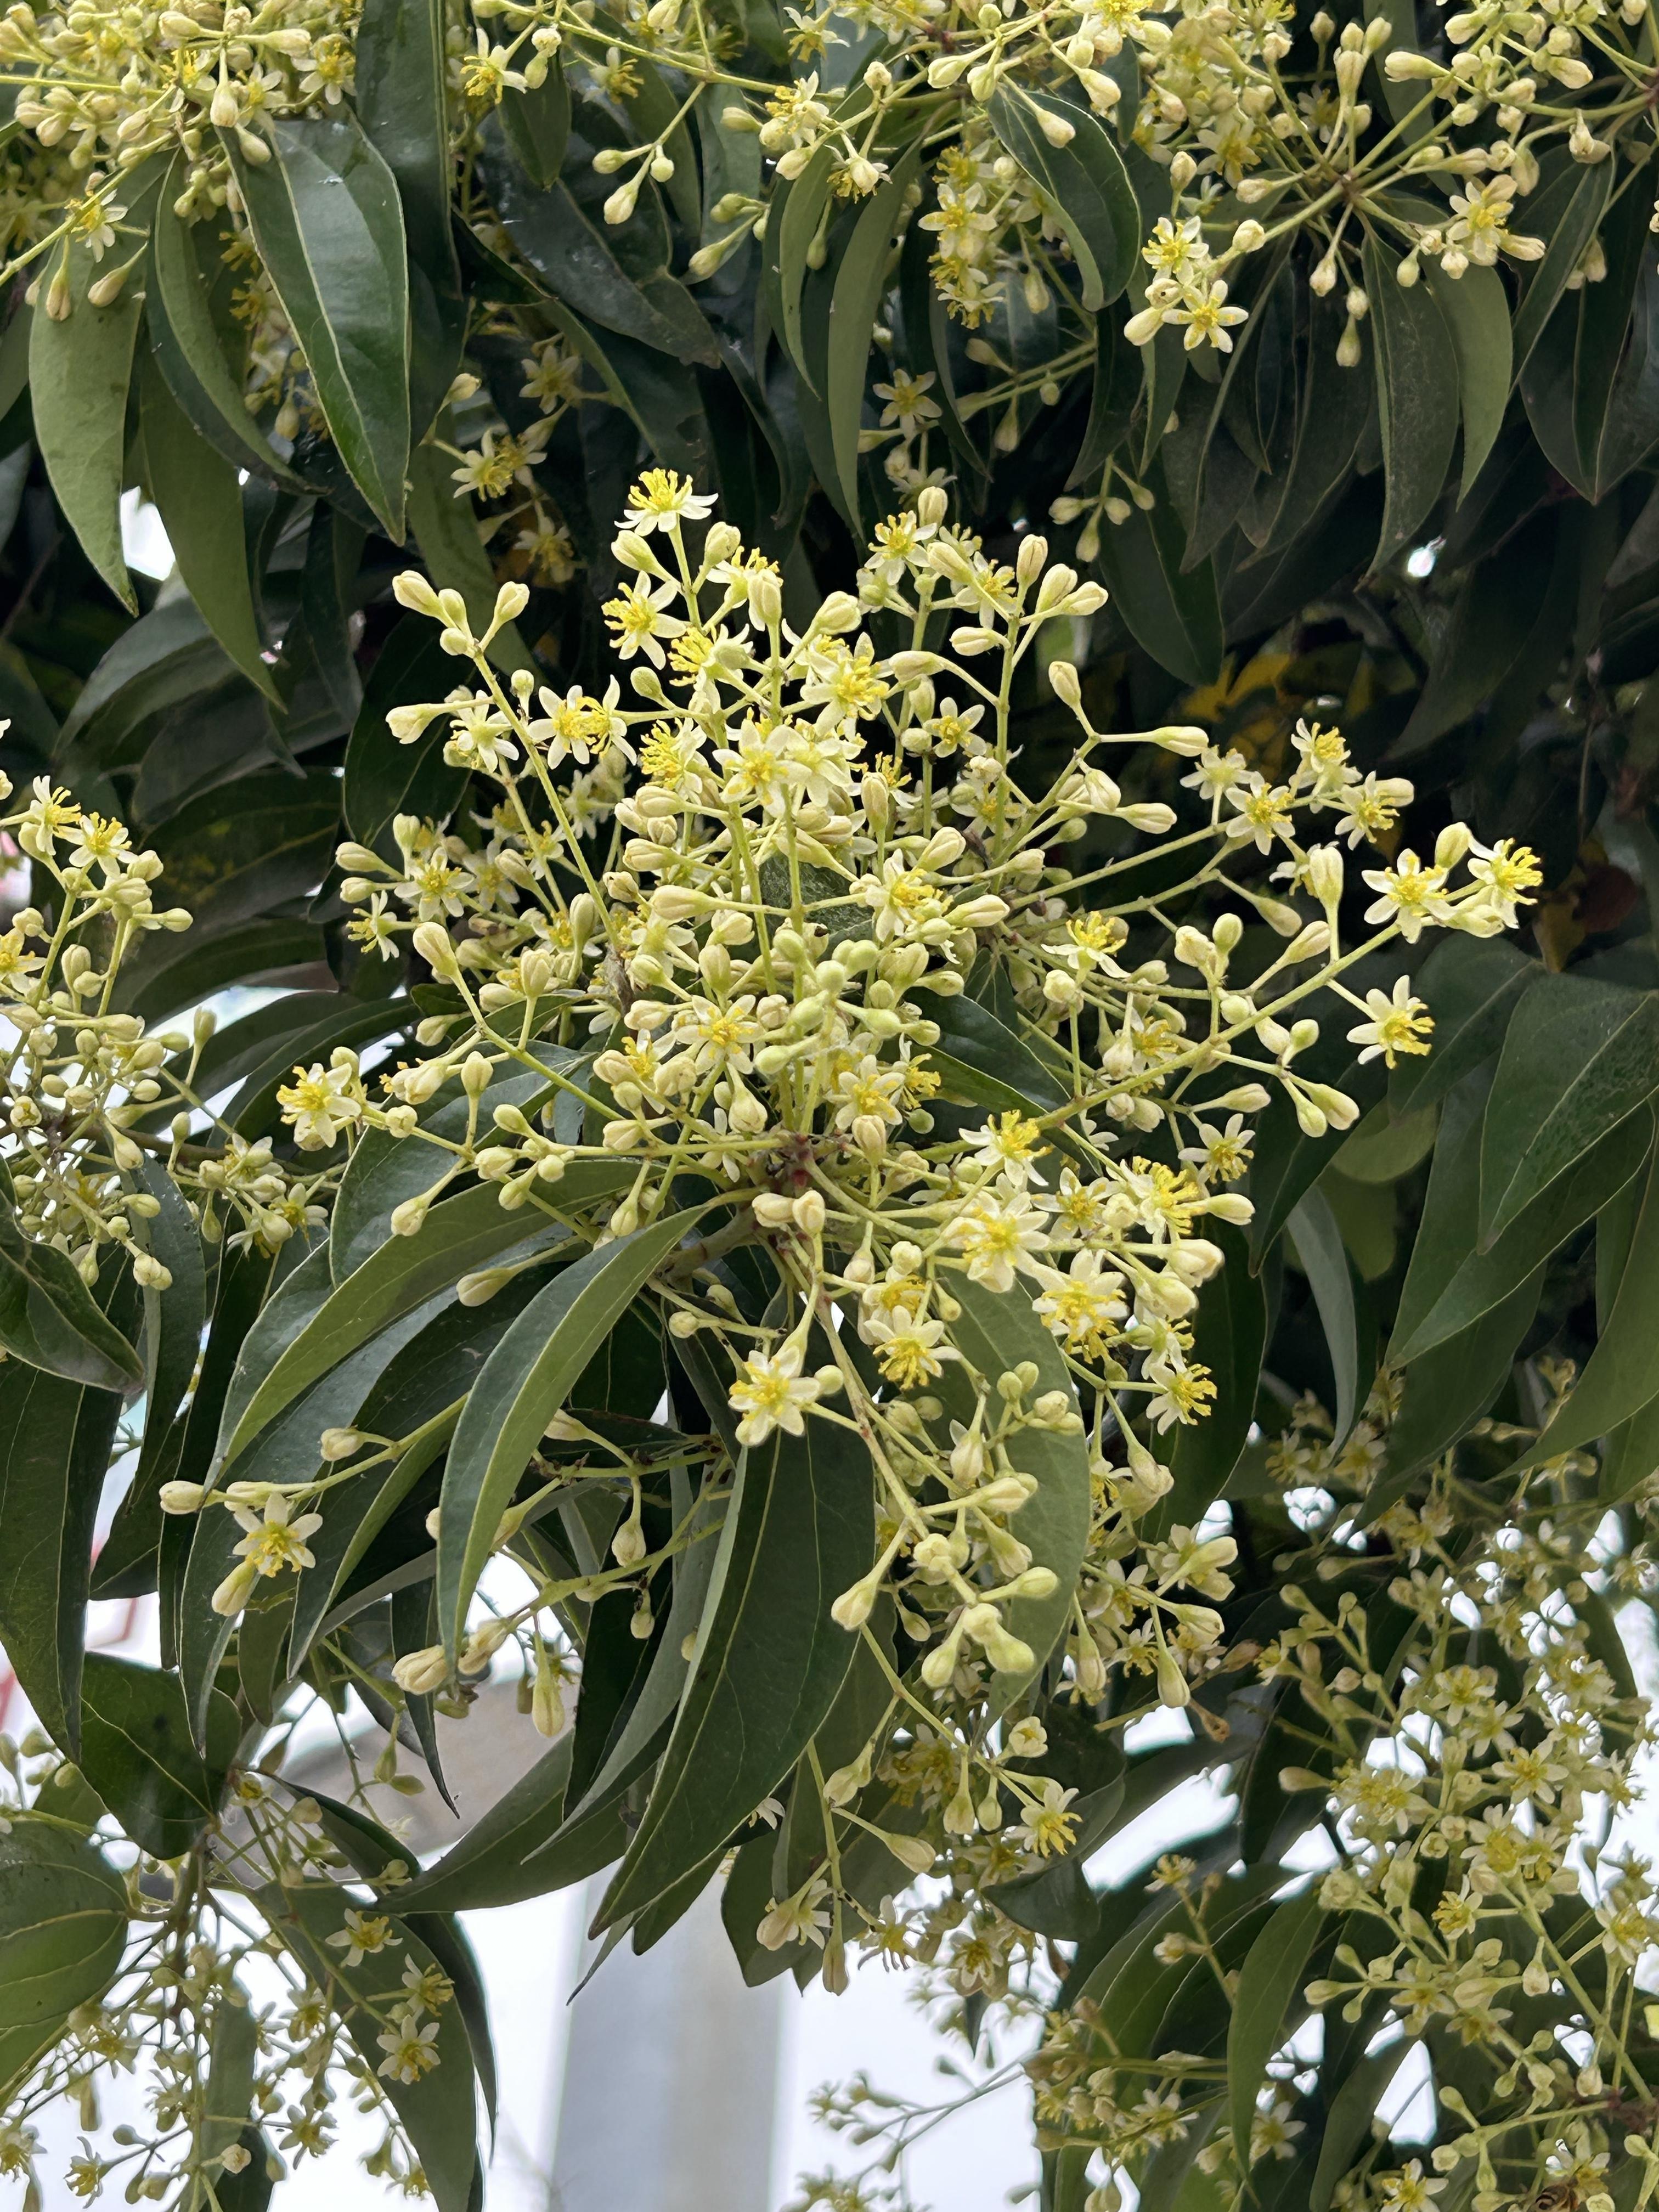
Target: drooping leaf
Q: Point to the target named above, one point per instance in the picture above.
(1084, 182)
(525, 1380)
(62, 1928)
(55, 1439)
(1229, 1337)
(1477, 318)
(860, 280)
(200, 503)
(49, 1320)
(448, 534)
(326, 219)
(137, 1752)
(1620, 1378)
(1349, 2124)
(436, 2110)
(383, 778)
(1417, 392)
(1325, 1262)
(769, 1660)
(1264, 2010)
(1172, 611)
(80, 367)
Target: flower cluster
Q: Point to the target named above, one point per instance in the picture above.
(83, 1088)
(756, 929)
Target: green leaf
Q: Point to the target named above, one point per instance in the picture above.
(981, 1060)
(458, 1236)
(326, 219)
(1084, 184)
(1417, 392)
(487, 1867)
(62, 1929)
(1173, 613)
(1348, 2126)
(55, 1439)
(1621, 1376)
(174, 1319)
(614, 274)
(1266, 2006)
(524, 1381)
(1476, 313)
(799, 1530)
(1470, 985)
(1230, 1338)
(1451, 1283)
(383, 779)
(536, 125)
(1448, 1388)
(995, 1331)
(200, 503)
(797, 207)
(79, 372)
(137, 1752)
(446, 530)
(1494, 617)
(398, 92)
(1566, 210)
(386, 1171)
(1577, 1058)
(1324, 1259)
(861, 282)
(49, 1319)
(186, 342)
(437, 2110)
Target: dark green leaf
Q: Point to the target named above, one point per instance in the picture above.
(437, 2110)
(1175, 614)
(1325, 1262)
(326, 219)
(1229, 1337)
(982, 1061)
(1084, 184)
(861, 282)
(1621, 1376)
(1266, 2007)
(383, 779)
(62, 1928)
(769, 1660)
(200, 503)
(1578, 1059)
(1417, 390)
(79, 370)
(446, 530)
(49, 1319)
(1476, 314)
(1349, 2124)
(1566, 210)
(536, 125)
(1470, 985)
(1448, 1388)
(525, 1380)
(137, 1752)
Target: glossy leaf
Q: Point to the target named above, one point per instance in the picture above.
(1619, 1378)
(769, 1660)
(1229, 1337)
(1470, 985)
(55, 1441)
(1417, 392)
(995, 1331)
(383, 779)
(62, 1928)
(1476, 314)
(1172, 612)
(1324, 1259)
(49, 1320)
(861, 282)
(986, 1062)
(325, 217)
(447, 533)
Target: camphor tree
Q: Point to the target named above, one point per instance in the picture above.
(1099, 1091)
